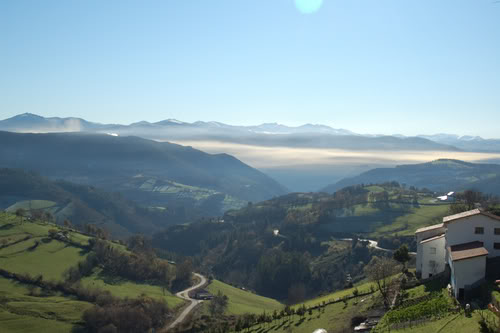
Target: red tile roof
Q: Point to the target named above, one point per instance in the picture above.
(430, 239)
(477, 211)
(467, 251)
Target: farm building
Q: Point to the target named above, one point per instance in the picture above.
(462, 243)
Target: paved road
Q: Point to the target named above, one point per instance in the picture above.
(185, 295)
(374, 244)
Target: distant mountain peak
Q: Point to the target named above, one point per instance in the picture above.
(470, 138)
(142, 122)
(170, 121)
(26, 116)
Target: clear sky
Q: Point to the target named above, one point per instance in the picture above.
(370, 66)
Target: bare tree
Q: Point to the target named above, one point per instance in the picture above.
(382, 271)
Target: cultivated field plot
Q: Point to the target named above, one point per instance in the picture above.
(125, 288)
(241, 301)
(335, 318)
(20, 312)
(41, 255)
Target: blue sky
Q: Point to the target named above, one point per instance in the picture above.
(371, 66)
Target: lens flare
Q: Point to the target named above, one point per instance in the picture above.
(308, 6)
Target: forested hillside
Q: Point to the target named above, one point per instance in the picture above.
(292, 245)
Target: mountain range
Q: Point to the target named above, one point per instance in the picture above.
(267, 134)
(303, 158)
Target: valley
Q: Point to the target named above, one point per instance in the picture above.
(124, 227)
(302, 251)
(299, 166)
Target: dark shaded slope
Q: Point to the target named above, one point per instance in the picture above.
(81, 204)
(440, 175)
(111, 162)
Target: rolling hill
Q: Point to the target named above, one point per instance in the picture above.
(440, 175)
(80, 204)
(35, 291)
(296, 239)
(155, 174)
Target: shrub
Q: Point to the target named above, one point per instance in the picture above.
(136, 315)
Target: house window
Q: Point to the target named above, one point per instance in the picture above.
(497, 231)
(432, 263)
(479, 231)
(496, 246)
(433, 250)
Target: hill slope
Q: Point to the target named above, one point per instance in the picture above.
(295, 240)
(37, 291)
(241, 301)
(152, 173)
(80, 204)
(439, 175)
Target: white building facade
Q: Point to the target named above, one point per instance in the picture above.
(431, 250)
(467, 265)
(463, 242)
(434, 252)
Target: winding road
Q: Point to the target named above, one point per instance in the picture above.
(185, 295)
(374, 244)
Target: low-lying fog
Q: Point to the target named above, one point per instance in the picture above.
(310, 169)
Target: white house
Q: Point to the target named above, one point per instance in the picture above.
(434, 250)
(463, 242)
(431, 242)
(468, 266)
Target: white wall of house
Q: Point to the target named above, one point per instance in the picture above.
(421, 236)
(463, 231)
(433, 257)
(466, 272)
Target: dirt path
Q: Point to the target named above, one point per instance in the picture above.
(185, 295)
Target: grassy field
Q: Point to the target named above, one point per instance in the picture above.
(335, 318)
(20, 312)
(454, 323)
(31, 204)
(375, 221)
(58, 212)
(362, 288)
(38, 254)
(50, 257)
(124, 288)
(45, 256)
(419, 217)
(241, 301)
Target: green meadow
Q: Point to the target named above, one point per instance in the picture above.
(27, 248)
(20, 312)
(125, 288)
(241, 301)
